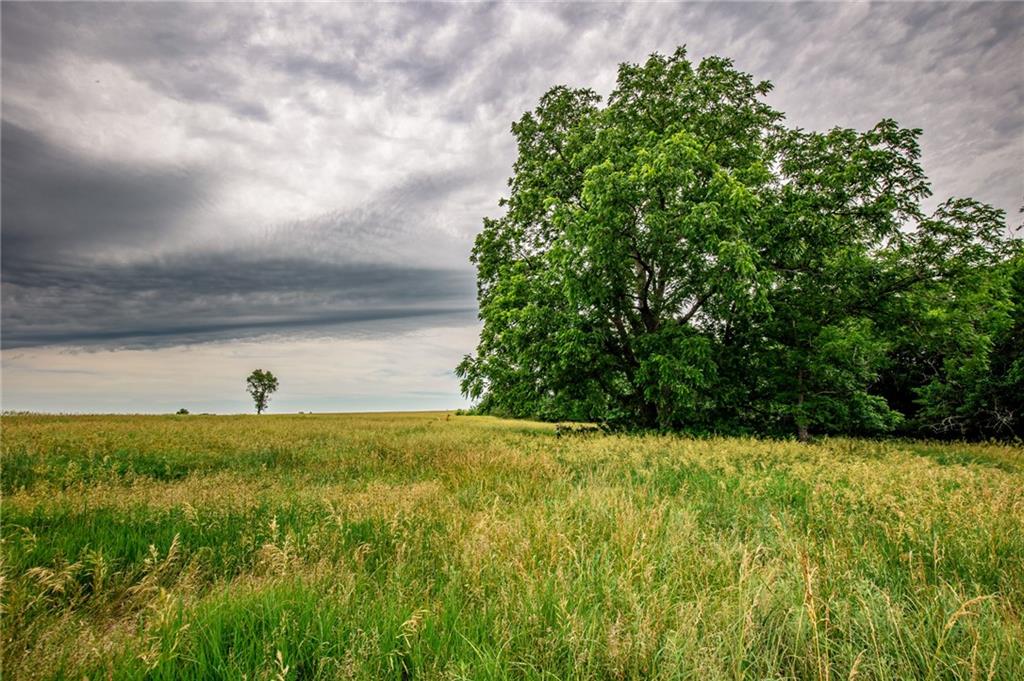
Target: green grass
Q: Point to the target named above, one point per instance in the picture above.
(442, 547)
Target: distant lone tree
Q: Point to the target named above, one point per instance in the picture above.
(260, 384)
(182, 411)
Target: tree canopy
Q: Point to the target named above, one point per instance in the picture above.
(679, 258)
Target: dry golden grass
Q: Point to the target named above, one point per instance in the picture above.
(422, 545)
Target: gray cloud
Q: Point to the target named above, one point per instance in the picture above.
(344, 267)
(184, 54)
(179, 172)
(211, 296)
(56, 201)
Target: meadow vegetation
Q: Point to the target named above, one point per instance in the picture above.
(465, 547)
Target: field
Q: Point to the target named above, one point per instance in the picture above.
(437, 546)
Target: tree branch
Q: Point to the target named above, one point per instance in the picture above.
(696, 306)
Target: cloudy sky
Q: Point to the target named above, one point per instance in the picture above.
(193, 191)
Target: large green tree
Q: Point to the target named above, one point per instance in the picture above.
(678, 258)
(957, 364)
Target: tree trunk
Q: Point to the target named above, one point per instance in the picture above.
(651, 414)
(801, 419)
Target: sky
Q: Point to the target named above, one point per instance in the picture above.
(193, 191)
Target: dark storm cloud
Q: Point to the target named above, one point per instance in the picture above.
(55, 200)
(329, 164)
(58, 205)
(161, 302)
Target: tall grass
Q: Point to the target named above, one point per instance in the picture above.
(428, 546)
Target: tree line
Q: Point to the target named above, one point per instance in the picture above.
(678, 258)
